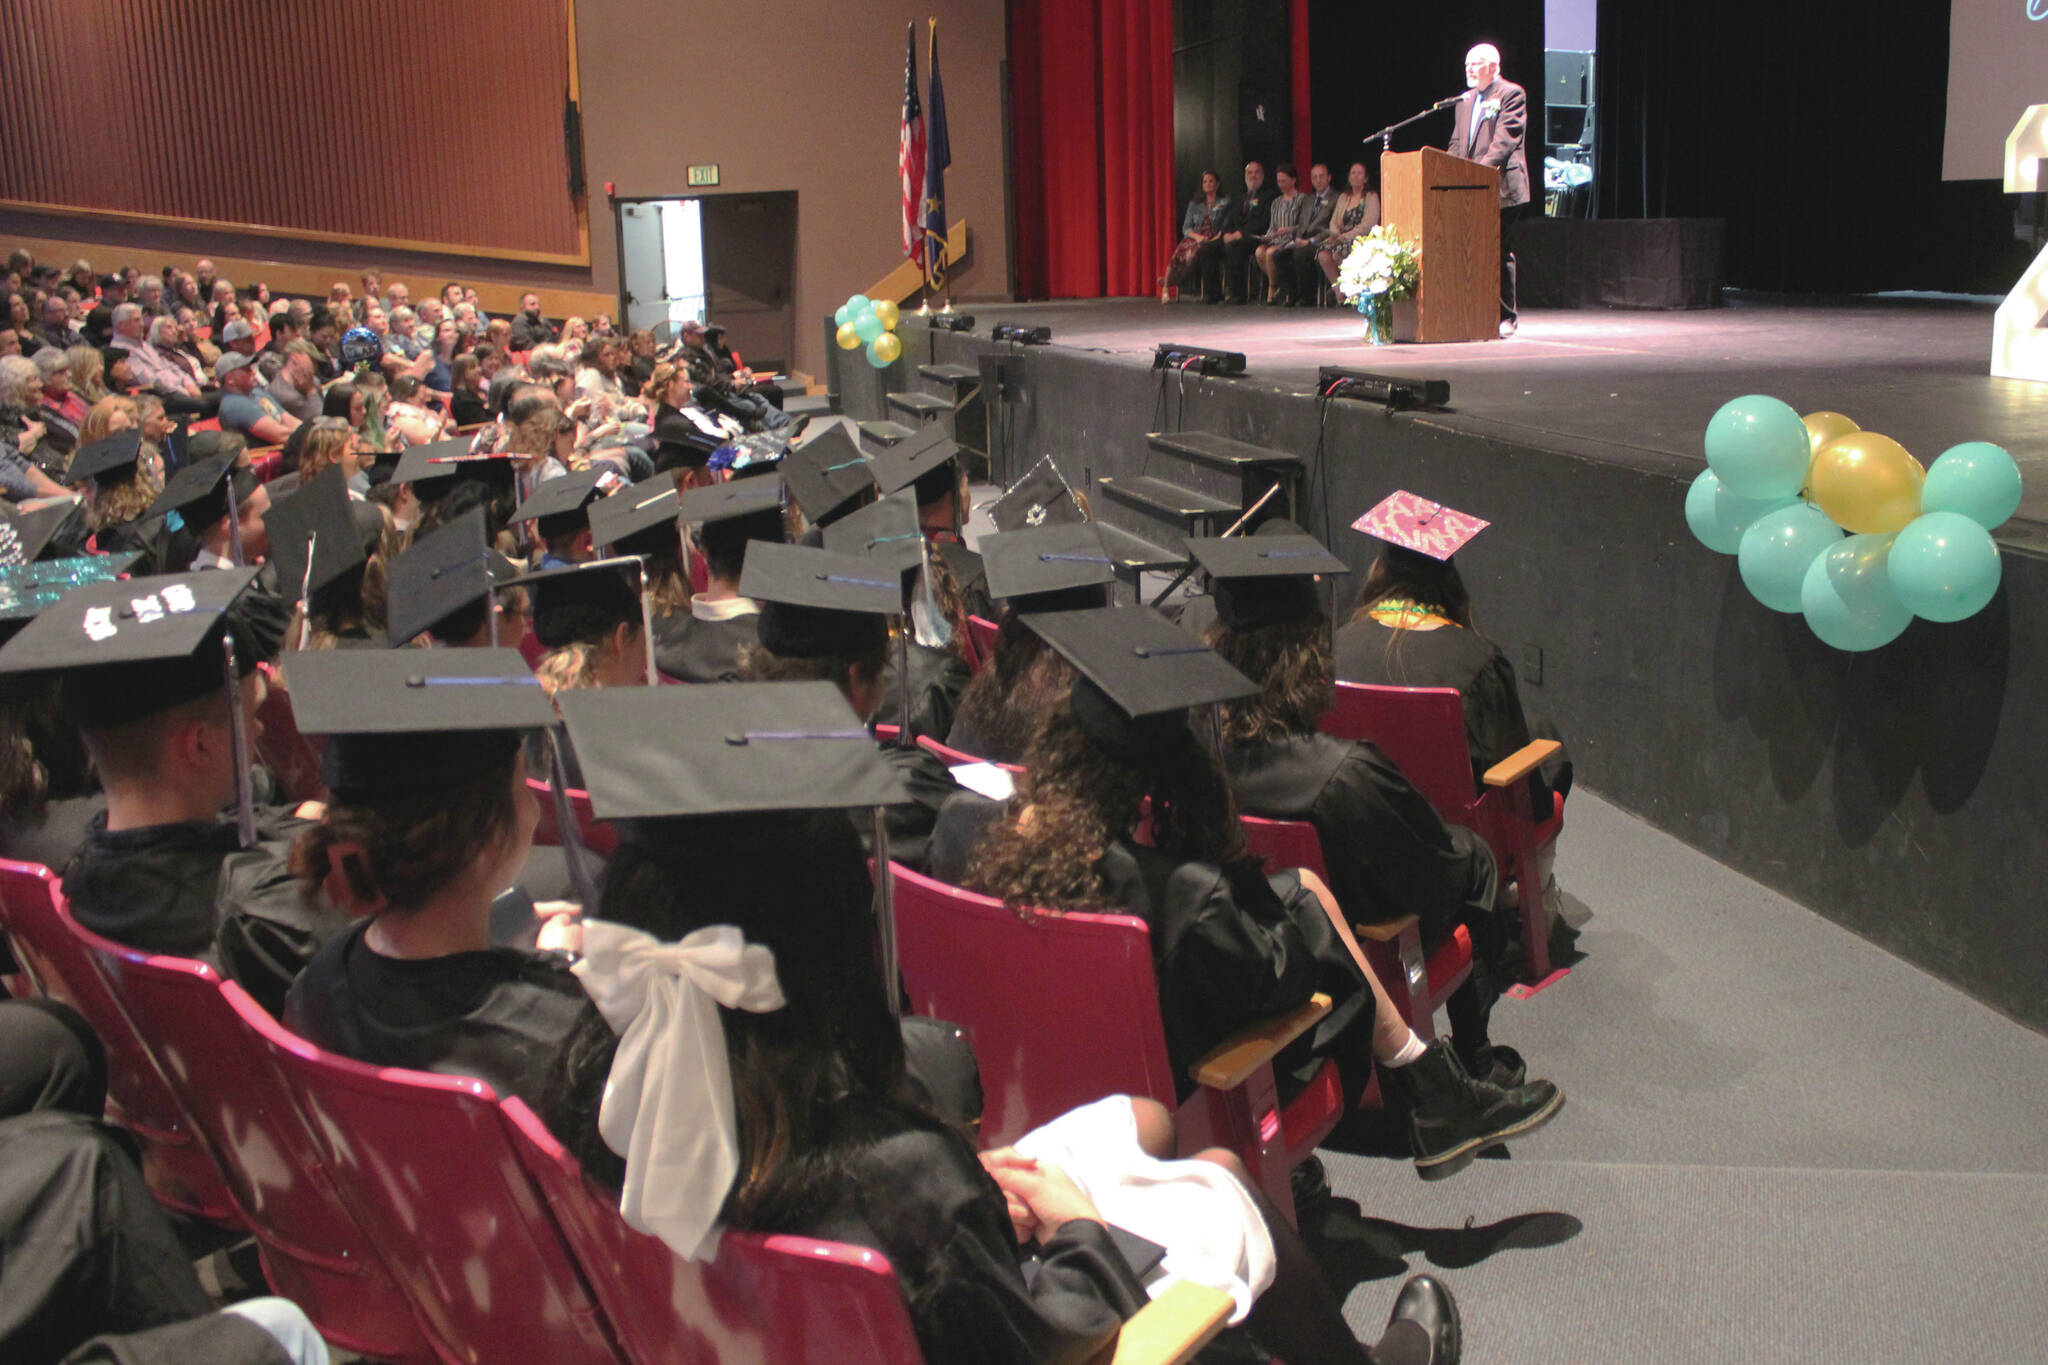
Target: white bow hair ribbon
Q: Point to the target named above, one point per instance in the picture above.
(668, 1107)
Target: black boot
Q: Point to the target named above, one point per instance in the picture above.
(1423, 1329)
(1453, 1118)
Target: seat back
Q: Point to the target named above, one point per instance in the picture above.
(595, 834)
(1422, 729)
(981, 633)
(763, 1299)
(1063, 1009)
(204, 1034)
(1284, 844)
(290, 756)
(426, 1167)
(51, 946)
(955, 757)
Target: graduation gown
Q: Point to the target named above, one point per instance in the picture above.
(703, 651)
(938, 678)
(189, 889)
(217, 1339)
(969, 576)
(499, 1015)
(910, 823)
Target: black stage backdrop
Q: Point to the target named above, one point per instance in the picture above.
(1814, 128)
(1232, 98)
(1376, 62)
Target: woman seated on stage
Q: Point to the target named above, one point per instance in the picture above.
(1412, 627)
(1357, 213)
(1283, 232)
(1207, 215)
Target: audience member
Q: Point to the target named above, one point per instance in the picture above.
(246, 409)
(60, 409)
(529, 329)
(733, 367)
(56, 328)
(466, 379)
(717, 390)
(297, 386)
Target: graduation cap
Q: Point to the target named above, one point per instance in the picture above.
(633, 512)
(1265, 580)
(434, 469)
(1040, 498)
(886, 532)
(827, 475)
(557, 504)
(1139, 675)
(320, 523)
(582, 603)
(1048, 568)
(724, 501)
(199, 492)
(727, 750)
(29, 589)
(114, 460)
(131, 648)
(25, 536)
(1415, 523)
(816, 603)
(920, 460)
(443, 583)
(405, 721)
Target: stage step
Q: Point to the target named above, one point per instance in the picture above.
(1134, 554)
(885, 433)
(923, 405)
(951, 374)
(1169, 500)
(1220, 452)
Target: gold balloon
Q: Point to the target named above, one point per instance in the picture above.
(1822, 428)
(889, 314)
(1867, 483)
(849, 340)
(887, 347)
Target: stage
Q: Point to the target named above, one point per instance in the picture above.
(1619, 385)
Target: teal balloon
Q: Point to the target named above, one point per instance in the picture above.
(875, 359)
(1847, 595)
(1759, 447)
(1944, 566)
(1718, 517)
(1977, 479)
(855, 305)
(1778, 549)
(867, 326)
(840, 315)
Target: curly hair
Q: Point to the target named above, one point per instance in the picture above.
(760, 664)
(88, 372)
(327, 443)
(567, 669)
(414, 844)
(1296, 673)
(1007, 702)
(42, 759)
(118, 503)
(1080, 800)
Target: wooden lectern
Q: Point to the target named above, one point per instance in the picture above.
(1450, 209)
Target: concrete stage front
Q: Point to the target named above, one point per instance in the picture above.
(1900, 792)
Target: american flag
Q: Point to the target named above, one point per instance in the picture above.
(910, 153)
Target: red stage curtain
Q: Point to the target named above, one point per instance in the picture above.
(1091, 116)
(1304, 155)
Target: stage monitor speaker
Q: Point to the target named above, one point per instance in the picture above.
(950, 322)
(1394, 390)
(1022, 335)
(1170, 355)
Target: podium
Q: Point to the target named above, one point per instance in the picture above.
(1450, 209)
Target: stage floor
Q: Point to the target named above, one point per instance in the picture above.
(1616, 384)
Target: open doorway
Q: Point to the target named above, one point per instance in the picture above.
(724, 258)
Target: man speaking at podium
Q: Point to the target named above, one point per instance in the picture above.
(1488, 125)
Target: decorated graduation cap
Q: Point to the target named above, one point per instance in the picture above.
(29, 589)
(199, 492)
(887, 533)
(131, 648)
(558, 504)
(1139, 675)
(816, 603)
(827, 475)
(435, 468)
(638, 519)
(442, 585)
(1265, 579)
(1040, 498)
(582, 603)
(923, 462)
(1048, 568)
(727, 750)
(26, 537)
(319, 526)
(114, 460)
(405, 721)
(1415, 523)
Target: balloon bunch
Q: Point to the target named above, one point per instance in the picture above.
(871, 323)
(1780, 491)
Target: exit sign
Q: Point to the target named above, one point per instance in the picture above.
(704, 175)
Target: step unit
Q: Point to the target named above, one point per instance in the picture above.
(919, 408)
(879, 435)
(1254, 468)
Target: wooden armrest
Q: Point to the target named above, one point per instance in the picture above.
(1237, 1057)
(1174, 1326)
(1390, 932)
(1520, 763)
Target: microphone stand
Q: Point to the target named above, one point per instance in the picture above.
(1385, 136)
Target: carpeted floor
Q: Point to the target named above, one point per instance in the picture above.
(1780, 1143)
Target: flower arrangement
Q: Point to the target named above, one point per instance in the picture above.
(1381, 265)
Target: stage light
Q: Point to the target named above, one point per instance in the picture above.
(1019, 333)
(1170, 355)
(950, 322)
(1394, 390)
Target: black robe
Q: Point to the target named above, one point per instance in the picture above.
(910, 823)
(697, 651)
(190, 890)
(970, 576)
(50, 836)
(499, 1015)
(938, 678)
(217, 1339)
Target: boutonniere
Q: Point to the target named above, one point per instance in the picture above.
(1487, 109)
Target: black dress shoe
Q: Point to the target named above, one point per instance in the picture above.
(1423, 1328)
(1452, 1118)
(1309, 1183)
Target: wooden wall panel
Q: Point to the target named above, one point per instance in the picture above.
(430, 124)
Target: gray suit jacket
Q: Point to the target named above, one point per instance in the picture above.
(1497, 140)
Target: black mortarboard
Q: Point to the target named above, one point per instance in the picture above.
(140, 646)
(113, 460)
(724, 501)
(199, 492)
(27, 590)
(827, 475)
(405, 721)
(441, 576)
(921, 460)
(815, 602)
(725, 750)
(1040, 498)
(1139, 675)
(557, 504)
(319, 515)
(24, 536)
(434, 469)
(1265, 580)
(582, 603)
(1048, 568)
(633, 511)
(885, 532)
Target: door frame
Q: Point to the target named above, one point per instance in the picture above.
(619, 250)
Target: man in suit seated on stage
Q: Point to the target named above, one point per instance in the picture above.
(1488, 127)
(1248, 224)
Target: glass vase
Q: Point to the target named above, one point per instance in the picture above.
(1379, 320)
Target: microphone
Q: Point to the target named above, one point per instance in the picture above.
(1445, 104)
